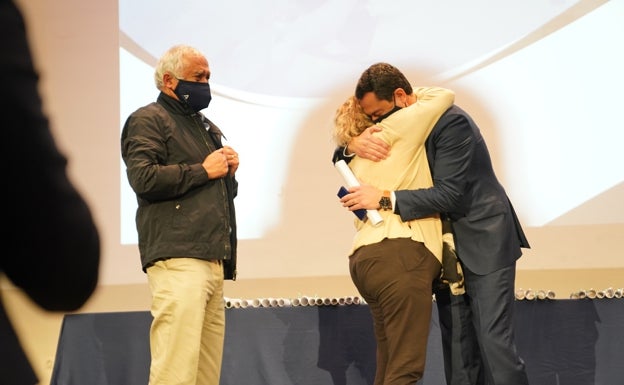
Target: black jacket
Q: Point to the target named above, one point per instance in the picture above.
(181, 213)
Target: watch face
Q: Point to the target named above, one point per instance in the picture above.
(385, 203)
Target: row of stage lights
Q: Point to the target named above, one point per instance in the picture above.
(520, 294)
(593, 294)
(531, 295)
(286, 302)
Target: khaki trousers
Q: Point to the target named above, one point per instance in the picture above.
(395, 278)
(188, 329)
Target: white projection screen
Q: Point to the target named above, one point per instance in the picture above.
(543, 79)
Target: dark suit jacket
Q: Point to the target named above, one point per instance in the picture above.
(488, 235)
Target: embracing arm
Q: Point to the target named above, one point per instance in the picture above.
(413, 124)
(365, 145)
(453, 148)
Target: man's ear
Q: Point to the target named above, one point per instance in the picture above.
(169, 81)
(400, 94)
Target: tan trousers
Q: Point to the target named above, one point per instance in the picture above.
(188, 329)
(395, 278)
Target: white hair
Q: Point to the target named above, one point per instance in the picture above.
(172, 62)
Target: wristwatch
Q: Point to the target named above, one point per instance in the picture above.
(385, 203)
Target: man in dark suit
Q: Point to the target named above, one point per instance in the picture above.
(53, 245)
(477, 327)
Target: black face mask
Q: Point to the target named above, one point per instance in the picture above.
(392, 111)
(196, 94)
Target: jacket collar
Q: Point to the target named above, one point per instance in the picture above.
(174, 106)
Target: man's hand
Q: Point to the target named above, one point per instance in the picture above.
(232, 159)
(362, 197)
(368, 146)
(216, 164)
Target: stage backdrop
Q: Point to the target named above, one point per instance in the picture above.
(542, 79)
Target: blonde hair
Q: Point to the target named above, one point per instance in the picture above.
(349, 122)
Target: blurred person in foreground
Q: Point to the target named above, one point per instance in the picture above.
(393, 264)
(478, 326)
(53, 251)
(184, 181)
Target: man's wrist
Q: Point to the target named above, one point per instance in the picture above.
(385, 203)
(345, 152)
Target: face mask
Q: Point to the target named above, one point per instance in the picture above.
(196, 94)
(392, 111)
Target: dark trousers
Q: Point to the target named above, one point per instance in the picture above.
(478, 332)
(394, 277)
